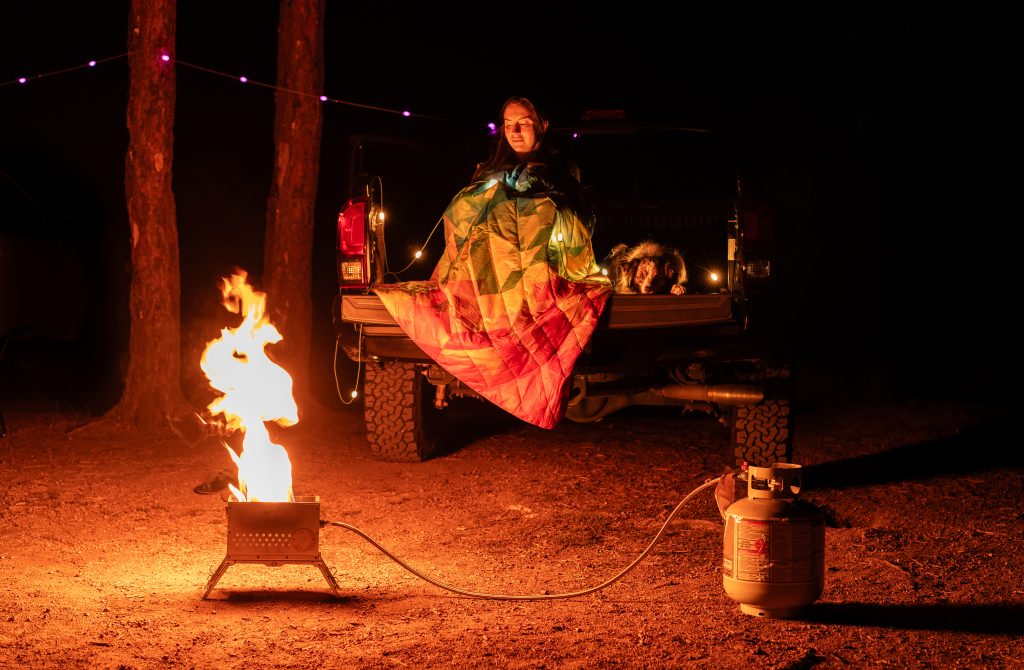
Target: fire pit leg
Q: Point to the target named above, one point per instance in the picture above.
(228, 562)
(217, 574)
(328, 576)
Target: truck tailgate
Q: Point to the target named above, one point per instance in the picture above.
(623, 312)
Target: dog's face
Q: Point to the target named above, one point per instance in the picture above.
(651, 276)
(648, 268)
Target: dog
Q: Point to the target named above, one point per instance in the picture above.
(649, 268)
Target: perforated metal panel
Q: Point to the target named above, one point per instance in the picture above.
(274, 531)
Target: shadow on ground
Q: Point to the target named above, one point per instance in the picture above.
(1001, 619)
(467, 421)
(982, 447)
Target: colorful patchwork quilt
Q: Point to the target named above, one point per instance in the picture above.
(514, 299)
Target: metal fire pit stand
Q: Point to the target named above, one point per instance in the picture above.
(274, 534)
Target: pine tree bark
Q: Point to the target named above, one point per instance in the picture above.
(288, 244)
(152, 393)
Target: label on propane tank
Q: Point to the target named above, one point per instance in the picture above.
(775, 551)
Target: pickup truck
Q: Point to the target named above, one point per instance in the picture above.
(711, 350)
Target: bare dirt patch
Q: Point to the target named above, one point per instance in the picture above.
(105, 550)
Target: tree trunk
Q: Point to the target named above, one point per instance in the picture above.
(152, 394)
(288, 245)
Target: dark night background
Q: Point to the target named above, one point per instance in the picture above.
(875, 134)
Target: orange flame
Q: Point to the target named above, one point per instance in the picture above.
(255, 390)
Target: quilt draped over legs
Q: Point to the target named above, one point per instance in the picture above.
(512, 302)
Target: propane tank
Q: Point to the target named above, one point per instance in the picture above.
(774, 550)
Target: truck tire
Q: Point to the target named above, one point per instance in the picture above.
(762, 434)
(401, 423)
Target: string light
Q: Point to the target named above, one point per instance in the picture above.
(167, 58)
(24, 79)
(321, 97)
(354, 393)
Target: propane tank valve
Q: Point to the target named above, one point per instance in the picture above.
(773, 556)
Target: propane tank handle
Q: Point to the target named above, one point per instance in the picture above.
(782, 480)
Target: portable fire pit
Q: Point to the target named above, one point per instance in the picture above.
(274, 534)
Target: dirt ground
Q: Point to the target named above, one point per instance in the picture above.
(105, 550)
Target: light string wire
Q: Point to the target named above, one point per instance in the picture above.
(263, 84)
(25, 79)
(359, 369)
(64, 70)
(397, 274)
(417, 255)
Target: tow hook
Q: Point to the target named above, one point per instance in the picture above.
(440, 378)
(439, 396)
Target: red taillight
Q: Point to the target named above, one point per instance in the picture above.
(352, 228)
(353, 250)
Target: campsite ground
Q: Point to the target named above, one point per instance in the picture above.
(105, 550)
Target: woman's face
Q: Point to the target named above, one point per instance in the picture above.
(523, 129)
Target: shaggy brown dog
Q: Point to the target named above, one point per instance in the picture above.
(649, 268)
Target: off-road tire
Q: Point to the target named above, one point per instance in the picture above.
(401, 422)
(762, 434)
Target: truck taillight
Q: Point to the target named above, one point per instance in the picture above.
(353, 250)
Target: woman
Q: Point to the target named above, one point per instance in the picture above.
(517, 293)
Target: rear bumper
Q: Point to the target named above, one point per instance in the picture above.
(362, 321)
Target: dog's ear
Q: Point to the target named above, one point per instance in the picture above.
(615, 255)
(675, 259)
(629, 272)
(669, 268)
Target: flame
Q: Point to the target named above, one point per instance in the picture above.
(255, 390)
